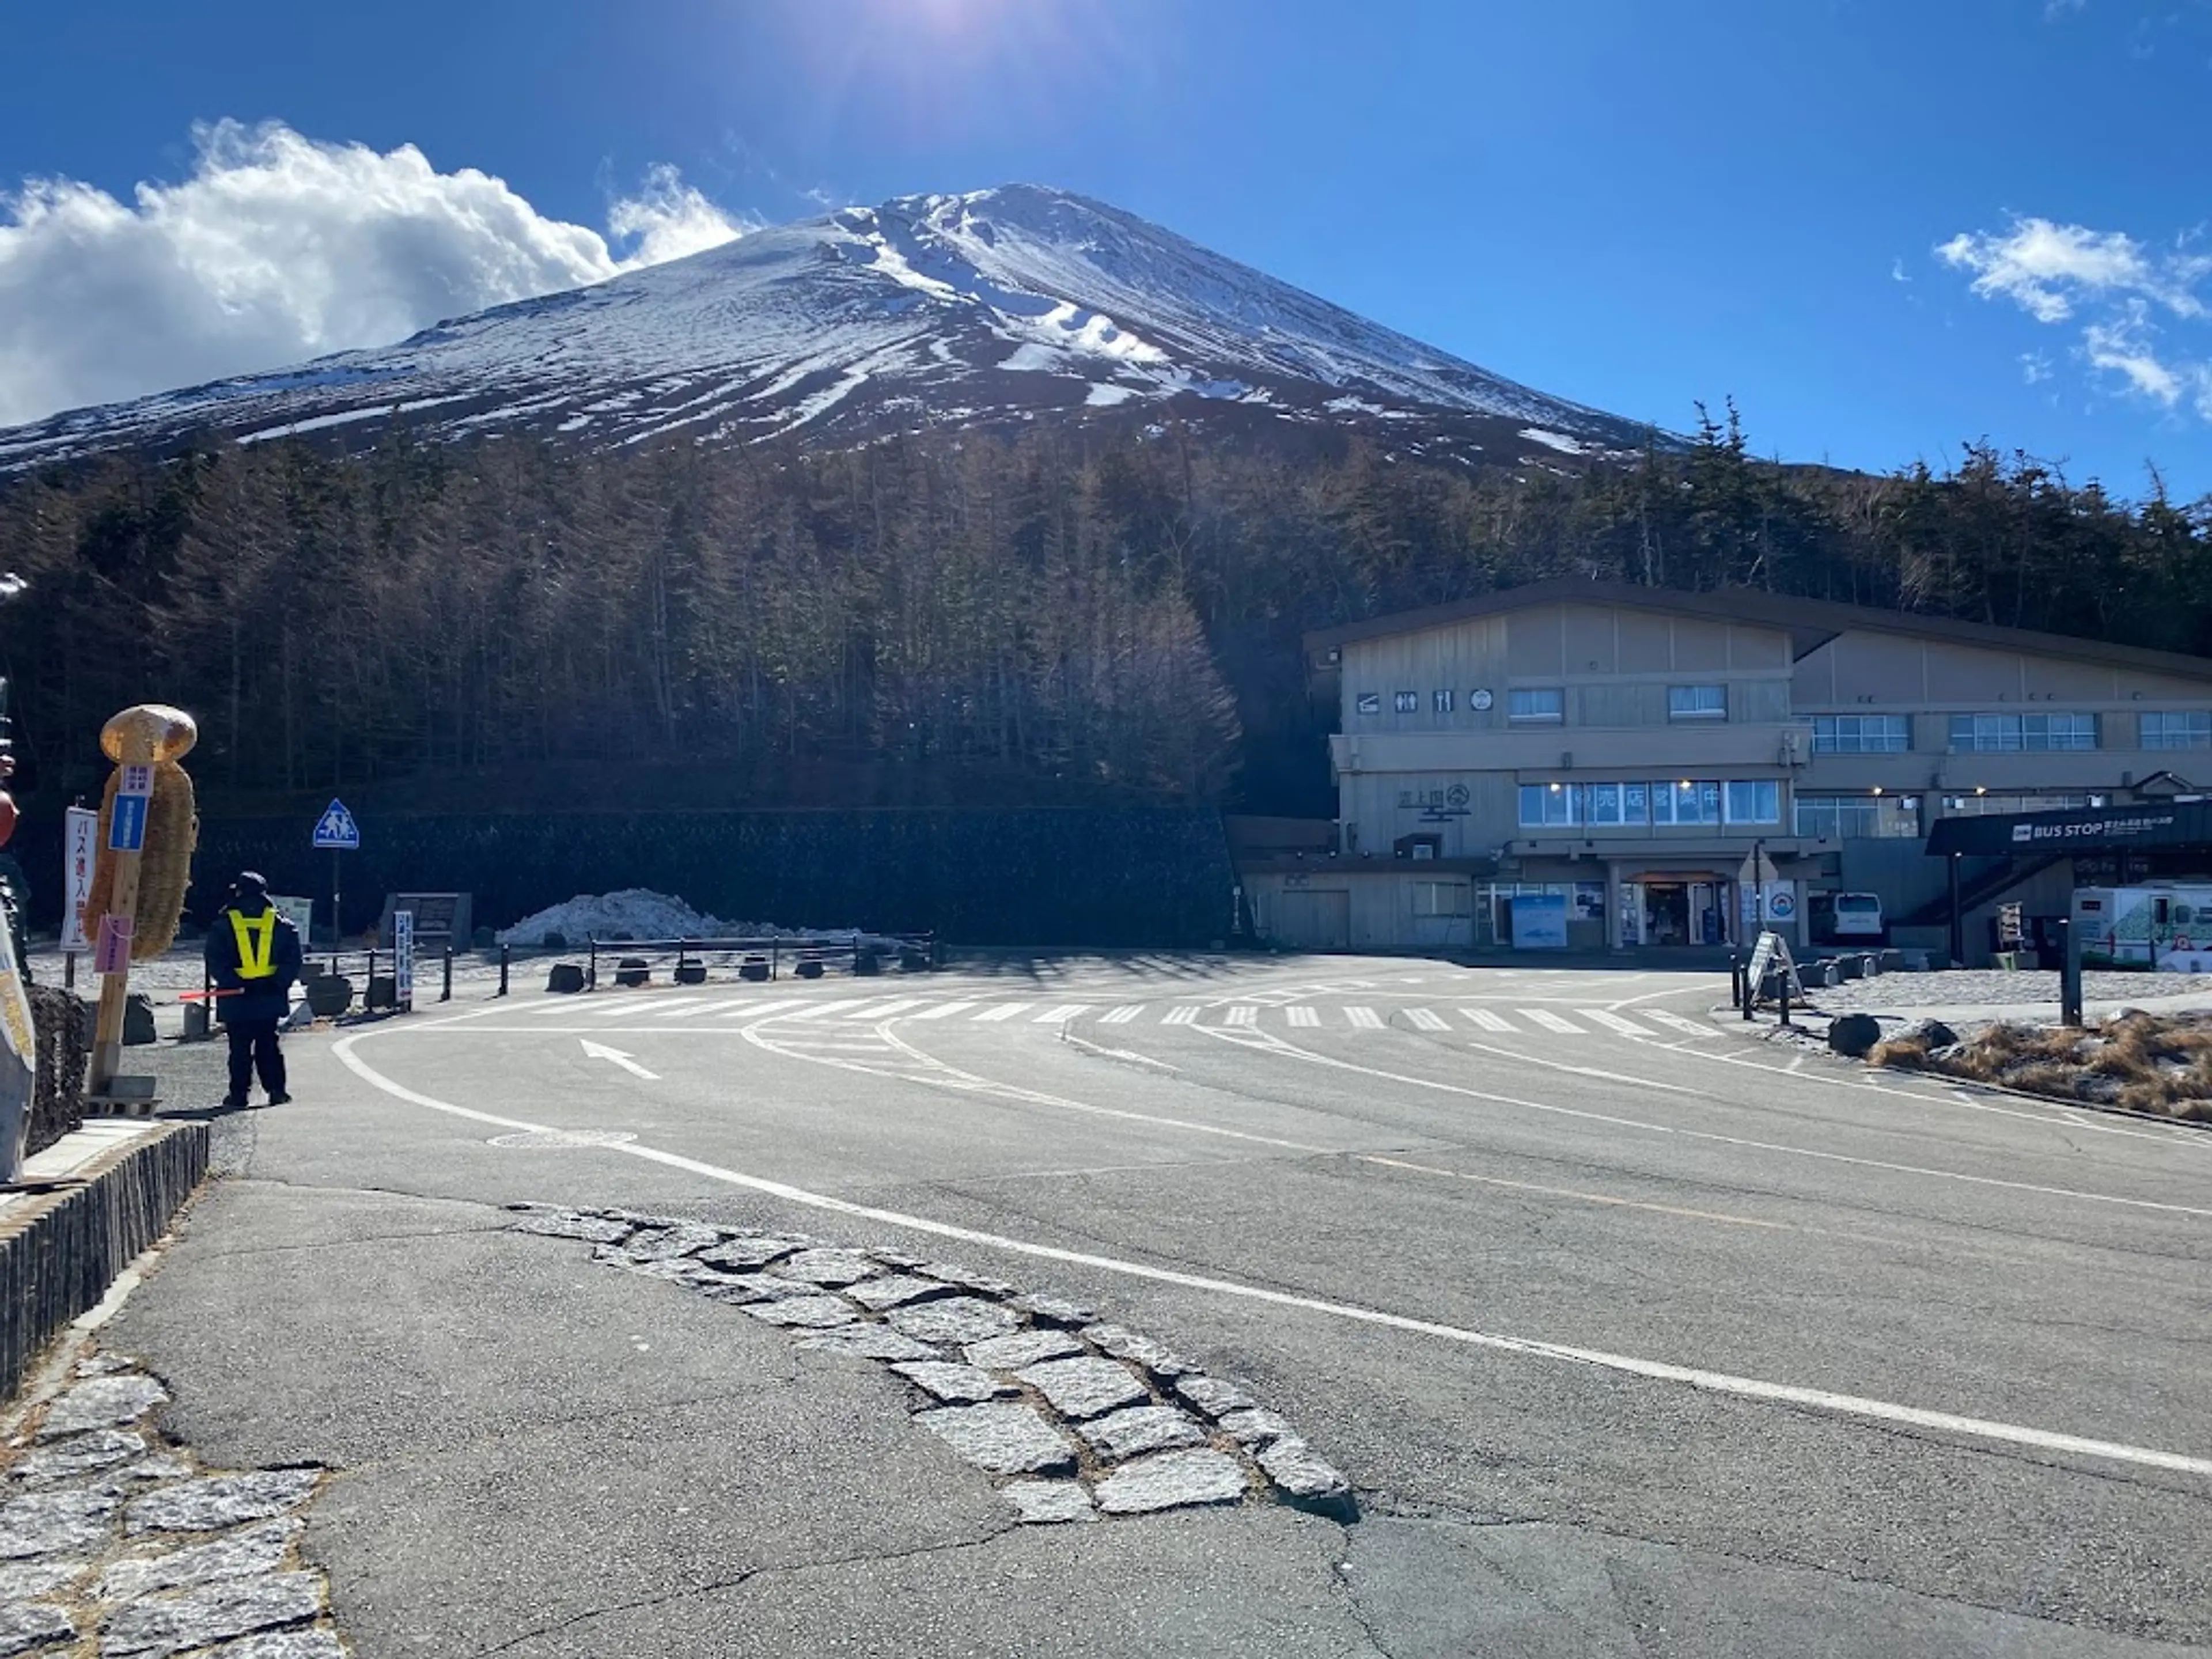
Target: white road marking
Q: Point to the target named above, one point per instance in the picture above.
(1614, 1022)
(1004, 1011)
(885, 1010)
(600, 1051)
(1363, 1019)
(1304, 1015)
(1291, 1050)
(1822, 1400)
(1489, 1021)
(733, 1007)
(1062, 1014)
(1186, 1015)
(1122, 1015)
(636, 1005)
(947, 1010)
(1551, 1022)
(1426, 1019)
(1242, 1014)
(1693, 1028)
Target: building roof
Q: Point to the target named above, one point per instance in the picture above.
(1811, 624)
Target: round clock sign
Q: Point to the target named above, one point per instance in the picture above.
(1478, 701)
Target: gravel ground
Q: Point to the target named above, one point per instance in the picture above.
(1972, 987)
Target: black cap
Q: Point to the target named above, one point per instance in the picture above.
(251, 883)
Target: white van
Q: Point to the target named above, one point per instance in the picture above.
(1847, 919)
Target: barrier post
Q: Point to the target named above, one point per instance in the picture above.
(2069, 976)
(592, 966)
(503, 951)
(447, 995)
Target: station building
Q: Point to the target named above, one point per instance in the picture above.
(1604, 758)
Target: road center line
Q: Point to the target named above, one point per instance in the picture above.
(1720, 1383)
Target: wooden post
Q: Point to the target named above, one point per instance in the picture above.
(115, 927)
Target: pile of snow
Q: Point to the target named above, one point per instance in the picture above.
(635, 912)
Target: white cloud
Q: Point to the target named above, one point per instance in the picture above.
(1896, 272)
(279, 248)
(2129, 298)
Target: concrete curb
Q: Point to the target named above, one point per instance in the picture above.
(59, 1251)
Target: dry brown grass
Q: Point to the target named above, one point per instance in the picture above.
(2159, 1064)
(1905, 1052)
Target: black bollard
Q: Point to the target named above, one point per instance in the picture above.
(503, 957)
(447, 995)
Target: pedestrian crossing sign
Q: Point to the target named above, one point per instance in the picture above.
(336, 829)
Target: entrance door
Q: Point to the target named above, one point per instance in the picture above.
(1666, 917)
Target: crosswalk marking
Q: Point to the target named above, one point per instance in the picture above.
(884, 1010)
(1003, 1011)
(1489, 1019)
(631, 1004)
(1185, 1015)
(1122, 1015)
(1061, 1015)
(1242, 1014)
(1302, 1015)
(1693, 1027)
(1426, 1019)
(1363, 1019)
(1614, 1022)
(1550, 1022)
(944, 1011)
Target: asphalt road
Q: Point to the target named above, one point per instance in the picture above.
(1635, 1337)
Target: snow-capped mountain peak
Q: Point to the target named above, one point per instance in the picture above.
(996, 306)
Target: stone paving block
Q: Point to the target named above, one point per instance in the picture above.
(29, 1625)
(101, 1403)
(48, 1522)
(1085, 1388)
(870, 1341)
(967, 1278)
(1172, 1481)
(241, 1554)
(897, 1291)
(1010, 1353)
(79, 1455)
(1213, 1396)
(1125, 1343)
(958, 1385)
(1257, 1428)
(560, 1224)
(282, 1644)
(125, 1478)
(831, 1268)
(222, 1500)
(904, 1261)
(666, 1243)
(675, 1270)
(27, 1581)
(1305, 1480)
(1050, 1503)
(754, 1287)
(1004, 1439)
(641, 1218)
(1140, 1429)
(813, 1313)
(750, 1252)
(960, 1319)
(105, 1365)
(1054, 1310)
(168, 1624)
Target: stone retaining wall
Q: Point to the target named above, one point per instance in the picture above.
(60, 1251)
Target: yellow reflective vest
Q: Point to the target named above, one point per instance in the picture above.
(256, 942)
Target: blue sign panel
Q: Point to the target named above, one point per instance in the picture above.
(126, 829)
(336, 828)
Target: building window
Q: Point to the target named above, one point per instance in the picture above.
(1983, 805)
(2180, 729)
(1861, 734)
(1443, 701)
(1542, 702)
(1443, 899)
(1370, 702)
(1755, 802)
(1545, 806)
(1408, 703)
(1686, 803)
(1859, 818)
(1697, 702)
(2013, 734)
(1616, 802)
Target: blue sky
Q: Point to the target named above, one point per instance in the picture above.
(1884, 226)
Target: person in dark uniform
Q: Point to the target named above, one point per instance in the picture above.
(253, 955)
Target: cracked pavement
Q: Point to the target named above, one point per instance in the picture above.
(535, 1456)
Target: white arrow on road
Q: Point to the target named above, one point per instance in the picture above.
(600, 1051)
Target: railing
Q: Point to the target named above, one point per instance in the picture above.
(808, 956)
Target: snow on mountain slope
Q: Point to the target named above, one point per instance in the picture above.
(928, 311)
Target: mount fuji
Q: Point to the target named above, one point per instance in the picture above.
(988, 309)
